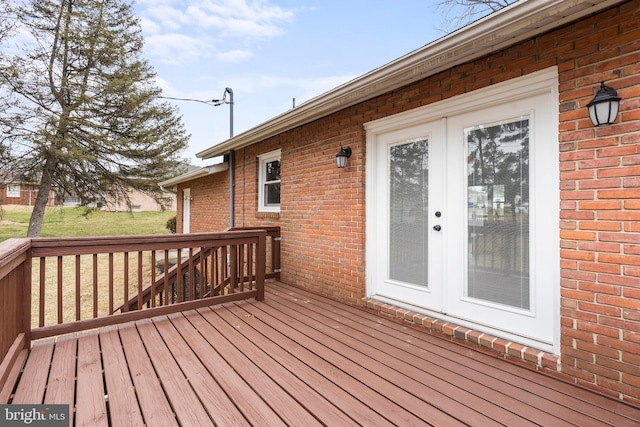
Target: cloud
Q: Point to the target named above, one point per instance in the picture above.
(236, 55)
(174, 48)
(194, 26)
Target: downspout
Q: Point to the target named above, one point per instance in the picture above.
(231, 189)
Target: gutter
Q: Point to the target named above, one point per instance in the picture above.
(198, 173)
(520, 21)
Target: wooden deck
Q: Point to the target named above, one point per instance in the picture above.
(293, 359)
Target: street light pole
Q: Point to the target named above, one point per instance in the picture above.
(217, 102)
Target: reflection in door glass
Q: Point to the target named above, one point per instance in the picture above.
(408, 189)
(498, 213)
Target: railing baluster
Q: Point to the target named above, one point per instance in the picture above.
(139, 280)
(179, 282)
(42, 291)
(153, 278)
(250, 265)
(215, 271)
(59, 289)
(233, 252)
(191, 276)
(125, 297)
(166, 277)
(95, 285)
(110, 282)
(241, 249)
(78, 290)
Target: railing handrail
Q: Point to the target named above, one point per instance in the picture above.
(61, 246)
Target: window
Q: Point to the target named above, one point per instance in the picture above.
(269, 182)
(13, 190)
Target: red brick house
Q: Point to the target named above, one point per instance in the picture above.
(15, 191)
(479, 200)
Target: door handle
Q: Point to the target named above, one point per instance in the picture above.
(437, 227)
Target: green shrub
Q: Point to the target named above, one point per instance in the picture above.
(171, 225)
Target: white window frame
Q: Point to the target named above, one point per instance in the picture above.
(13, 190)
(262, 174)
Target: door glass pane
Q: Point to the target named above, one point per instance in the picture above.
(498, 213)
(408, 188)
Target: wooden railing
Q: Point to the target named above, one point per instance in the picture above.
(50, 286)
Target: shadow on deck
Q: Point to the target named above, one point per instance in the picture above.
(293, 359)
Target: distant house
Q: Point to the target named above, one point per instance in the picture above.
(129, 200)
(138, 202)
(17, 191)
(478, 199)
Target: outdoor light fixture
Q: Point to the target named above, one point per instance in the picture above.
(603, 108)
(342, 156)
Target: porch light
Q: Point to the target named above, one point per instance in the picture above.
(342, 156)
(603, 108)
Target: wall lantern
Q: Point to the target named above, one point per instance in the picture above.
(603, 108)
(342, 156)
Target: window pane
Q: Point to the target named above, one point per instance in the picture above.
(408, 188)
(13, 190)
(498, 213)
(273, 171)
(272, 194)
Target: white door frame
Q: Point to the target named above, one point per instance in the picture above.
(186, 210)
(541, 88)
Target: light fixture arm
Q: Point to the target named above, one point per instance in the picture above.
(218, 102)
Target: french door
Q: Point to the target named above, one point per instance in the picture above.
(410, 162)
(463, 209)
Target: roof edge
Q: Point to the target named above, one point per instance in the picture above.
(198, 173)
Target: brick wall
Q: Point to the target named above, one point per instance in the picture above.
(600, 204)
(323, 208)
(209, 203)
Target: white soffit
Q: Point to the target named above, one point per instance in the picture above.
(198, 173)
(519, 21)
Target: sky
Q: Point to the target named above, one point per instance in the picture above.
(270, 52)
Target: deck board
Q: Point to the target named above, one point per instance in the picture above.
(154, 405)
(214, 399)
(255, 410)
(91, 406)
(291, 411)
(467, 406)
(566, 401)
(31, 387)
(61, 386)
(288, 356)
(123, 406)
(294, 359)
(516, 401)
(184, 400)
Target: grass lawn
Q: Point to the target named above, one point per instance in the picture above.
(73, 222)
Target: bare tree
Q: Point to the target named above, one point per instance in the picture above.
(458, 13)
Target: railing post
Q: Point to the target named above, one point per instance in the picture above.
(15, 303)
(261, 264)
(27, 299)
(275, 254)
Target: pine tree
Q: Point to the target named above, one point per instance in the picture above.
(85, 115)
